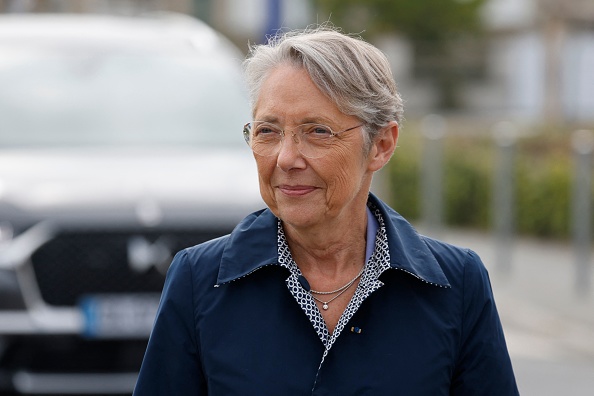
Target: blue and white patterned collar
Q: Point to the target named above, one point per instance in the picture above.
(253, 245)
(377, 261)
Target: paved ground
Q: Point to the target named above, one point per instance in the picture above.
(549, 327)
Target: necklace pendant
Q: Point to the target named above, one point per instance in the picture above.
(325, 306)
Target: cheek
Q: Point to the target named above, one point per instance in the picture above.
(343, 173)
(266, 166)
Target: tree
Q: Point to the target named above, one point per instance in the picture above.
(436, 29)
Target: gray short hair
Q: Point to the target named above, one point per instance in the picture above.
(351, 72)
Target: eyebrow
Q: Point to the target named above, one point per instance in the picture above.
(306, 120)
(311, 120)
(269, 119)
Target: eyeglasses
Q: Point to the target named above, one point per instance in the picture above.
(312, 140)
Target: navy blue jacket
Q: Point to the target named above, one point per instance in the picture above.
(228, 325)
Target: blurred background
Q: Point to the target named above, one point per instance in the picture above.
(495, 154)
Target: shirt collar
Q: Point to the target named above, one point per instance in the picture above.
(253, 244)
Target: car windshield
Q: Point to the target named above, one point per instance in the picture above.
(81, 95)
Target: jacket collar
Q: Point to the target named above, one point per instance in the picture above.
(408, 249)
(253, 244)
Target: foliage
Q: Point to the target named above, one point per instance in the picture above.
(543, 177)
(467, 189)
(442, 32)
(403, 177)
(426, 20)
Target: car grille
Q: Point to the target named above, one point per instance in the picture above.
(76, 264)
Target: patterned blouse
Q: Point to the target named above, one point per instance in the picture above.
(378, 260)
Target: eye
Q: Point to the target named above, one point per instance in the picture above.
(317, 130)
(266, 129)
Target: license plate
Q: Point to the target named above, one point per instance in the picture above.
(119, 316)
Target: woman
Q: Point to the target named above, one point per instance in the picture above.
(328, 291)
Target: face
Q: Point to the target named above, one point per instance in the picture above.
(307, 192)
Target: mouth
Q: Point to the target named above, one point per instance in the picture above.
(295, 191)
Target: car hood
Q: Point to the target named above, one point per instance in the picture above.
(149, 187)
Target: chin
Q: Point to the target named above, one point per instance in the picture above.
(298, 217)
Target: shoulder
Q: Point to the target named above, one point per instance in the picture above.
(209, 251)
(197, 266)
(251, 244)
(209, 254)
(460, 265)
(470, 283)
(193, 270)
(430, 259)
(449, 255)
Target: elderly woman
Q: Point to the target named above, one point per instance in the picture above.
(328, 291)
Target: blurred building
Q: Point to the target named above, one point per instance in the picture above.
(241, 20)
(541, 57)
(535, 66)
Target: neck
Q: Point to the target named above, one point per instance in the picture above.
(333, 251)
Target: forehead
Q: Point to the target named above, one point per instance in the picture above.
(289, 95)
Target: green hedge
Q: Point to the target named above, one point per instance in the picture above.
(543, 177)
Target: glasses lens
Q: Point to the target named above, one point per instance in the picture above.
(247, 132)
(315, 140)
(265, 138)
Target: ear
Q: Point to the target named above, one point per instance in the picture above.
(383, 146)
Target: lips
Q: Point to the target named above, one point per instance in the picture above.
(295, 191)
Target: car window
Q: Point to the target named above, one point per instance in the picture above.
(81, 95)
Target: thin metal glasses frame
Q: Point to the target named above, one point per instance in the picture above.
(247, 135)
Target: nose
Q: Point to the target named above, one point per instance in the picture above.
(288, 156)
